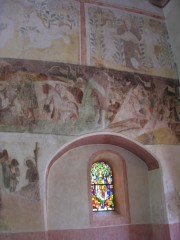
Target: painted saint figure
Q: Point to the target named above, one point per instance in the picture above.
(10, 171)
(14, 175)
(32, 172)
(5, 162)
(31, 190)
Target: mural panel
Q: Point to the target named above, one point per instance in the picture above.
(40, 30)
(19, 192)
(71, 100)
(128, 41)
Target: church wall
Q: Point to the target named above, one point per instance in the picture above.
(129, 44)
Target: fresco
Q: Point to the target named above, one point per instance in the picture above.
(77, 32)
(71, 100)
(21, 193)
(128, 41)
(40, 30)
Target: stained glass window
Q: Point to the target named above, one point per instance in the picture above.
(102, 188)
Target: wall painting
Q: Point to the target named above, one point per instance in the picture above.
(40, 30)
(55, 98)
(125, 40)
(19, 197)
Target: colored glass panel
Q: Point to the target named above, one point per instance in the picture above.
(102, 187)
(101, 173)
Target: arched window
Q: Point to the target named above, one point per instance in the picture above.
(108, 189)
(102, 187)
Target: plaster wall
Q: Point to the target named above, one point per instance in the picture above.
(170, 166)
(157, 197)
(68, 188)
(156, 203)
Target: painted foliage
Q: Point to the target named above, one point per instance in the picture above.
(40, 30)
(55, 98)
(53, 30)
(128, 41)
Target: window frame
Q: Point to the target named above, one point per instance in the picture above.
(121, 214)
(104, 184)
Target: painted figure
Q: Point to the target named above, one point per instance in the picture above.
(4, 100)
(14, 175)
(27, 98)
(130, 36)
(17, 111)
(10, 171)
(105, 105)
(48, 107)
(31, 190)
(5, 110)
(59, 103)
(4, 160)
(32, 172)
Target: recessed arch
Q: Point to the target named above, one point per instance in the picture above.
(105, 138)
(108, 138)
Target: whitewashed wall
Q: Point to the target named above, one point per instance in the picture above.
(68, 189)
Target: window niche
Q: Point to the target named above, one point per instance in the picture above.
(121, 214)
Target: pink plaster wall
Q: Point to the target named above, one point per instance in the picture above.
(123, 232)
(126, 232)
(23, 236)
(174, 231)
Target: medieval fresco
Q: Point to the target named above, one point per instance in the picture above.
(77, 32)
(19, 187)
(128, 41)
(40, 30)
(71, 100)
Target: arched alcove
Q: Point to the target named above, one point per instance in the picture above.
(108, 138)
(67, 192)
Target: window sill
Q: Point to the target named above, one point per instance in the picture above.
(108, 218)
